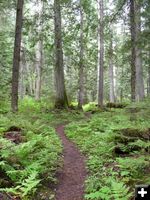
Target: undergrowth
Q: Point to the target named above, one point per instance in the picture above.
(29, 166)
(116, 143)
(31, 163)
(117, 149)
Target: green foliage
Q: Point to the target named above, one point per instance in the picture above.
(133, 167)
(120, 191)
(90, 107)
(116, 190)
(112, 171)
(35, 159)
(26, 186)
(4, 105)
(30, 104)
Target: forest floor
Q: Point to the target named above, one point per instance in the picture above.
(72, 176)
(70, 155)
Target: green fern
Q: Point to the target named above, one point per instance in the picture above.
(116, 190)
(102, 194)
(30, 184)
(24, 163)
(120, 191)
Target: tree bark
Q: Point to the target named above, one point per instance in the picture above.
(22, 86)
(61, 97)
(29, 79)
(139, 77)
(133, 50)
(38, 65)
(85, 99)
(148, 85)
(39, 51)
(16, 56)
(137, 83)
(121, 89)
(81, 64)
(139, 69)
(111, 75)
(100, 53)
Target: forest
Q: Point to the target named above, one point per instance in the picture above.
(74, 99)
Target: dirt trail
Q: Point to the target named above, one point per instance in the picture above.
(72, 176)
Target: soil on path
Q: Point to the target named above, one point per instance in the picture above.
(72, 176)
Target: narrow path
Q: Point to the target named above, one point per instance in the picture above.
(72, 176)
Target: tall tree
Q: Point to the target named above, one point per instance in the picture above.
(100, 52)
(61, 97)
(138, 61)
(16, 56)
(148, 81)
(148, 75)
(39, 50)
(137, 83)
(133, 49)
(81, 64)
(22, 87)
(111, 73)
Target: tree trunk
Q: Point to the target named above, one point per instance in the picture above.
(121, 84)
(39, 54)
(16, 56)
(100, 53)
(137, 83)
(133, 50)
(39, 51)
(139, 77)
(81, 64)
(61, 97)
(85, 99)
(111, 75)
(22, 87)
(148, 85)
(139, 69)
(29, 80)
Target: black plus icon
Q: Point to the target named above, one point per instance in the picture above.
(142, 192)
